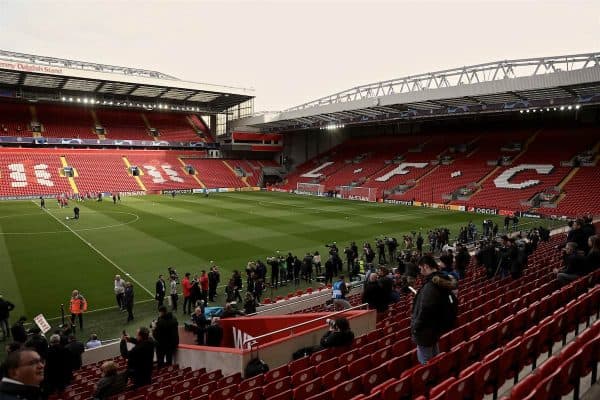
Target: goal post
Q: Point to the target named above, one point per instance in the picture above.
(358, 193)
(311, 189)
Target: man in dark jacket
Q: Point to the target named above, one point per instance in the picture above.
(76, 349)
(24, 373)
(166, 335)
(213, 281)
(59, 371)
(38, 342)
(573, 265)
(5, 308)
(373, 295)
(214, 333)
(428, 307)
(18, 331)
(161, 290)
(140, 357)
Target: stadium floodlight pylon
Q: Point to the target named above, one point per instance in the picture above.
(358, 193)
(311, 189)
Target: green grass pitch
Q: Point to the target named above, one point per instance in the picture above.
(43, 256)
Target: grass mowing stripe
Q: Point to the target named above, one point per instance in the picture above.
(10, 285)
(91, 246)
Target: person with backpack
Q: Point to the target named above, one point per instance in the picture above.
(435, 308)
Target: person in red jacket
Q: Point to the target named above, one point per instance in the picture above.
(204, 286)
(186, 287)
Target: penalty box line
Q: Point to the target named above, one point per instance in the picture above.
(91, 246)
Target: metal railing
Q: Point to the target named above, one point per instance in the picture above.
(254, 342)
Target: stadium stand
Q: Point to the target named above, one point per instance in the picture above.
(450, 162)
(524, 338)
(216, 173)
(39, 172)
(175, 127)
(14, 119)
(66, 122)
(123, 124)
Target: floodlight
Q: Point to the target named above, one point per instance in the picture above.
(577, 107)
(527, 110)
(562, 108)
(64, 98)
(78, 100)
(70, 99)
(547, 108)
(570, 107)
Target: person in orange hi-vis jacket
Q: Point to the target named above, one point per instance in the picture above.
(77, 307)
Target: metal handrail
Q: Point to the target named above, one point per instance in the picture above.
(316, 295)
(254, 341)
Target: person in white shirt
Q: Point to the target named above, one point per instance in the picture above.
(120, 291)
(173, 292)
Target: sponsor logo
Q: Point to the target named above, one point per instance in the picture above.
(530, 215)
(400, 202)
(487, 211)
(177, 191)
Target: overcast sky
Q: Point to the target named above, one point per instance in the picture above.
(292, 52)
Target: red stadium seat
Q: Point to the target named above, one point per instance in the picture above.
(303, 376)
(271, 389)
(347, 390)
(258, 380)
(307, 390)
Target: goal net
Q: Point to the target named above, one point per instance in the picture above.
(312, 189)
(358, 193)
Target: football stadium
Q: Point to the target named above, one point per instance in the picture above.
(427, 236)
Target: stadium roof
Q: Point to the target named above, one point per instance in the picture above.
(62, 79)
(500, 86)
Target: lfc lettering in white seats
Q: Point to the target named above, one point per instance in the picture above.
(400, 170)
(315, 172)
(157, 176)
(502, 180)
(19, 178)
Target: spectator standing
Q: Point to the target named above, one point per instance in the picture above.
(76, 349)
(24, 373)
(78, 305)
(200, 322)
(338, 294)
(204, 286)
(119, 291)
(129, 298)
(38, 342)
(161, 290)
(59, 369)
(373, 295)
(173, 293)
(317, 261)
(186, 287)
(5, 308)
(213, 281)
(18, 331)
(166, 335)
(593, 257)
(250, 304)
(111, 382)
(139, 358)
(429, 308)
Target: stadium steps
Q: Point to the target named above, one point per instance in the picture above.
(63, 161)
(97, 123)
(245, 181)
(137, 178)
(202, 185)
(567, 178)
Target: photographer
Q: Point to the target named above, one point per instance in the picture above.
(380, 244)
(339, 334)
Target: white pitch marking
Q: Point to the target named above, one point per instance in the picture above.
(91, 246)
